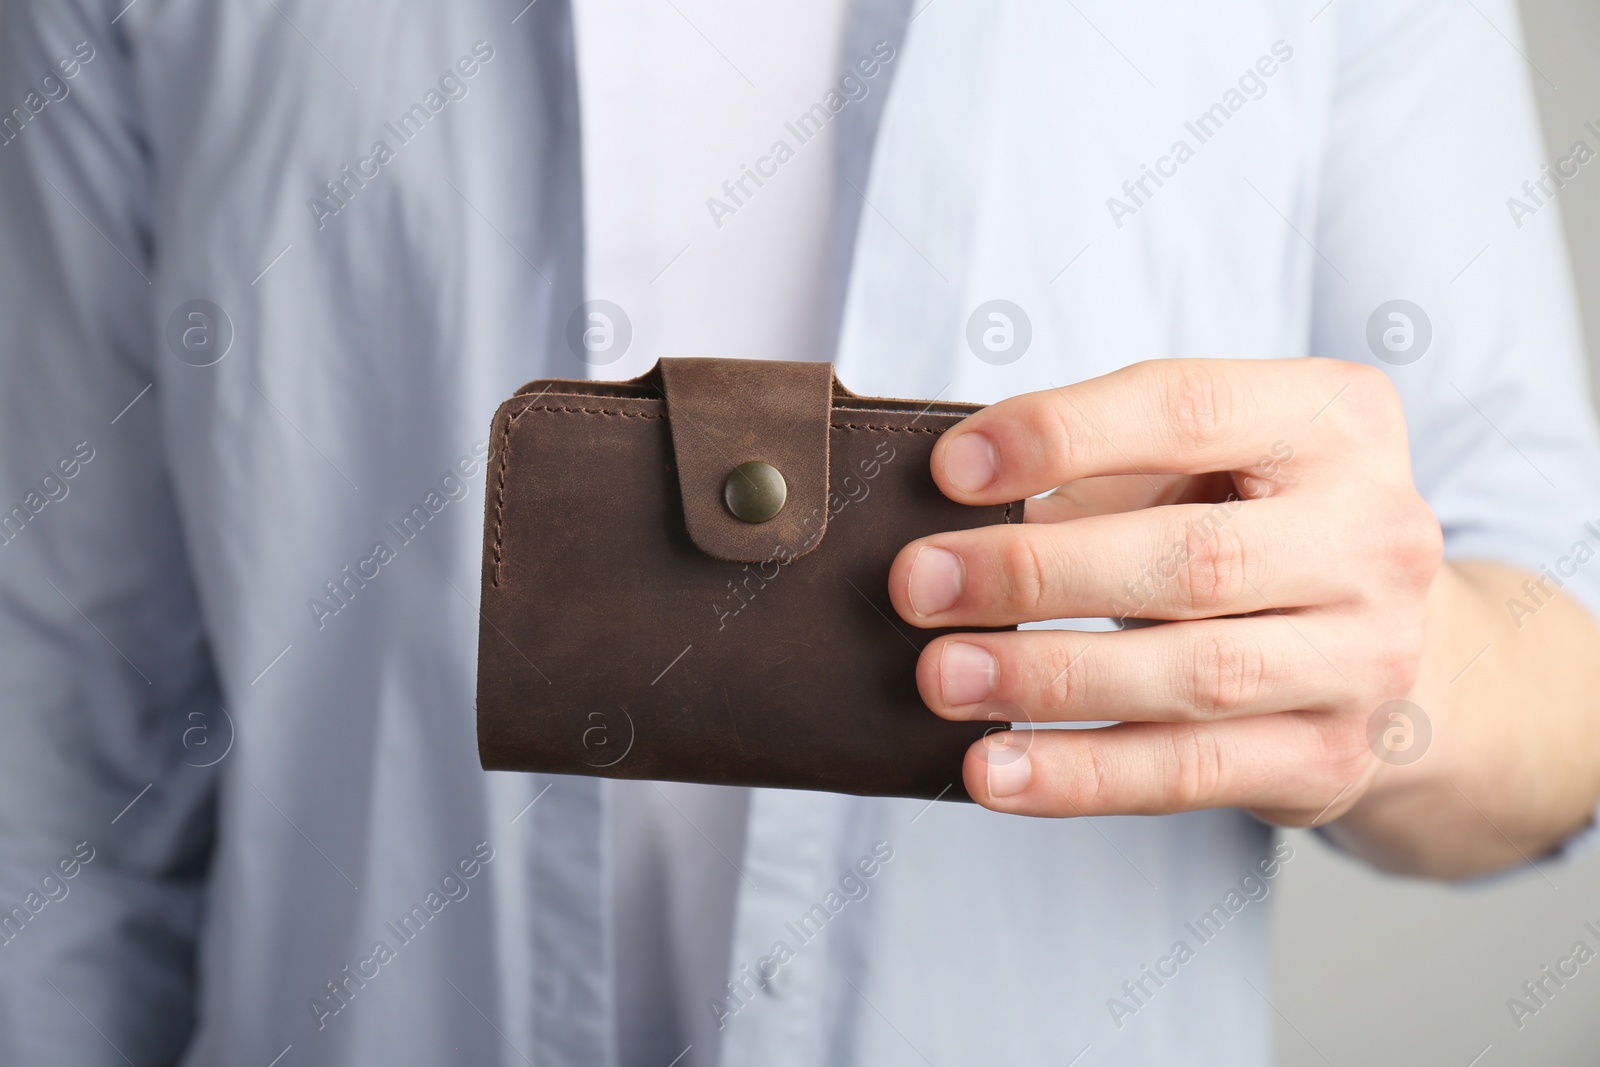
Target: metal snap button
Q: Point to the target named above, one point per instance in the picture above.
(755, 491)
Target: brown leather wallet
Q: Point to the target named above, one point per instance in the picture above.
(634, 626)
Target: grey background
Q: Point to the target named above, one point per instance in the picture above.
(1374, 971)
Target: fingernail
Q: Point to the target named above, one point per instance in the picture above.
(1009, 767)
(935, 582)
(966, 673)
(970, 462)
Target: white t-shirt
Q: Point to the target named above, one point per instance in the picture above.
(682, 103)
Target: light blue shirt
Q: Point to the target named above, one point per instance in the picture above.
(279, 840)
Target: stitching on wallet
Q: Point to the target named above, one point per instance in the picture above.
(500, 501)
(649, 415)
(585, 411)
(505, 449)
(892, 429)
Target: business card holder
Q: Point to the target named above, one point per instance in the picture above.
(685, 578)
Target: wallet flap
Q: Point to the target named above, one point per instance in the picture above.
(725, 413)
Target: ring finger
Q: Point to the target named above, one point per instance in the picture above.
(1181, 672)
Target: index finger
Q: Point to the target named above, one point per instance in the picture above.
(1161, 417)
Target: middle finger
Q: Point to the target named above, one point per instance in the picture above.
(1183, 561)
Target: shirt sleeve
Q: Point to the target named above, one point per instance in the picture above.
(105, 802)
(1436, 207)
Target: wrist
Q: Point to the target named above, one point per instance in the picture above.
(1413, 817)
(1510, 770)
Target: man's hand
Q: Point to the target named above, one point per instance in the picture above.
(1266, 511)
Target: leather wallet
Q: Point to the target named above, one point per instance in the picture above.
(634, 625)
